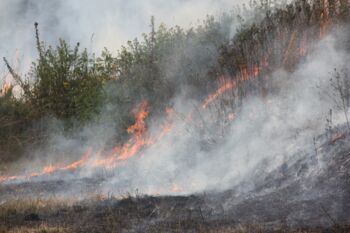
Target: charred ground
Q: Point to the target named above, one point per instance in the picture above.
(280, 202)
(67, 91)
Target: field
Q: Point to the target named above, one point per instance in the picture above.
(238, 124)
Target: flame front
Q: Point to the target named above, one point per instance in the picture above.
(228, 83)
(226, 86)
(139, 139)
(50, 169)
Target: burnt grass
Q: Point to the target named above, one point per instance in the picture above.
(295, 197)
(142, 214)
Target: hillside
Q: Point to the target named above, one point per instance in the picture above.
(301, 194)
(239, 124)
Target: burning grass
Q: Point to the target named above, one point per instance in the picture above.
(190, 213)
(280, 211)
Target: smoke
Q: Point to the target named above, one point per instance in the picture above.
(95, 24)
(266, 132)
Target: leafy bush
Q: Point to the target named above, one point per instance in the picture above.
(77, 88)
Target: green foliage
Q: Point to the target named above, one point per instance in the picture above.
(14, 119)
(77, 88)
(161, 64)
(67, 83)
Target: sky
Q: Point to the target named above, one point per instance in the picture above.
(273, 134)
(95, 24)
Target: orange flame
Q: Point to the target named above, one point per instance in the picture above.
(6, 87)
(138, 140)
(138, 130)
(48, 170)
(227, 84)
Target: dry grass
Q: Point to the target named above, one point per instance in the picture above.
(25, 206)
(101, 214)
(254, 229)
(43, 228)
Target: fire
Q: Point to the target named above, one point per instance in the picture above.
(9, 81)
(229, 83)
(140, 137)
(48, 170)
(226, 86)
(73, 166)
(138, 140)
(8, 178)
(6, 87)
(80, 162)
(139, 132)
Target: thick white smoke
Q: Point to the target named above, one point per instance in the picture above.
(265, 133)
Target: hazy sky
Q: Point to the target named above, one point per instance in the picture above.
(111, 22)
